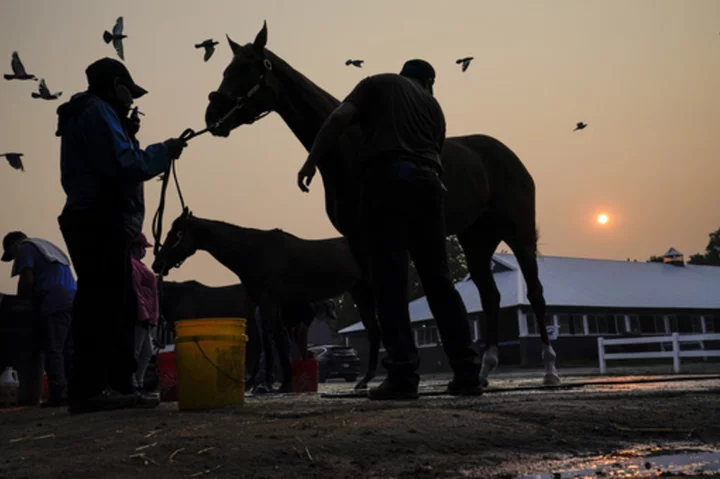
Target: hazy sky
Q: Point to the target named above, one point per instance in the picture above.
(644, 74)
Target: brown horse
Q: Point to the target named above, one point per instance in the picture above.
(279, 272)
(491, 196)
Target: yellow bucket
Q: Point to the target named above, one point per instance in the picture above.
(210, 363)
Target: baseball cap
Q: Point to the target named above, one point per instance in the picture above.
(9, 240)
(103, 71)
(418, 69)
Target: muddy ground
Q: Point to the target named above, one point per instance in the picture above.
(496, 435)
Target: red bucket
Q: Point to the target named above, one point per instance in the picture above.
(306, 373)
(167, 369)
(46, 389)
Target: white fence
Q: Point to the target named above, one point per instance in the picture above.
(675, 354)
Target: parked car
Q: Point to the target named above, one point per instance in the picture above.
(337, 362)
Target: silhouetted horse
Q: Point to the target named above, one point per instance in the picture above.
(279, 271)
(491, 196)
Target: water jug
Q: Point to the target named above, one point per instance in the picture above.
(9, 388)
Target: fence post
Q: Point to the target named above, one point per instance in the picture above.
(676, 353)
(601, 354)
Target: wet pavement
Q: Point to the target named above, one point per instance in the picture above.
(677, 461)
(609, 426)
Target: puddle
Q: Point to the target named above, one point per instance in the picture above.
(637, 463)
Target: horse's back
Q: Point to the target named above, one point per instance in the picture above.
(482, 175)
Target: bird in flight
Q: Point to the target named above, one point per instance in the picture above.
(355, 63)
(15, 160)
(44, 92)
(465, 62)
(18, 69)
(209, 46)
(580, 126)
(116, 37)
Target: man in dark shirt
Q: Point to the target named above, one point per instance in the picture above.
(102, 171)
(403, 208)
(46, 280)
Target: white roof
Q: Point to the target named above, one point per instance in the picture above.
(592, 283)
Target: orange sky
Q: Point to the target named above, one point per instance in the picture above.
(643, 74)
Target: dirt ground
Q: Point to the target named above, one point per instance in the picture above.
(496, 435)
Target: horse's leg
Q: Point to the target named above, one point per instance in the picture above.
(272, 326)
(365, 303)
(479, 243)
(301, 340)
(526, 255)
(282, 343)
(252, 351)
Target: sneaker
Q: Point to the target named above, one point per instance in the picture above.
(261, 389)
(466, 386)
(393, 390)
(146, 400)
(106, 400)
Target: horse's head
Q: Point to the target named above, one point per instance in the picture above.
(179, 245)
(248, 91)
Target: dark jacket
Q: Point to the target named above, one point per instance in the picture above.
(102, 167)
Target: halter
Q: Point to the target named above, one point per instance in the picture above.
(239, 102)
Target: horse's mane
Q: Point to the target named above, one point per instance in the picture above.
(307, 93)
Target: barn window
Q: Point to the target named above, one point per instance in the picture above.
(426, 336)
(634, 324)
(696, 324)
(564, 324)
(660, 326)
(531, 324)
(711, 324)
(577, 324)
(601, 324)
(620, 327)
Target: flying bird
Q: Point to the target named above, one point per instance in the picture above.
(44, 92)
(580, 126)
(465, 62)
(355, 63)
(116, 37)
(209, 46)
(18, 69)
(15, 160)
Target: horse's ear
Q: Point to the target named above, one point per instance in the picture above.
(261, 38)
(233, 46)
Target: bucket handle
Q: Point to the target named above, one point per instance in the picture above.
(229, 376)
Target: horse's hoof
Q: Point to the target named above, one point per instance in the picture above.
(551, 379)
(484, 382)
(361, 386)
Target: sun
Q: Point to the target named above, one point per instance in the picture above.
(602, 219)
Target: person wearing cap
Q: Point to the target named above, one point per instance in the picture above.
(103, 170)
(403, 212)
(146, 288)
(47, 281)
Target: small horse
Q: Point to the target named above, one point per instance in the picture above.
(278, 270)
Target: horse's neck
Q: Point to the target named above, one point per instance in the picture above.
(303, 105)
(232, 246)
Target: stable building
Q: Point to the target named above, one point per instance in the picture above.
(586, 299)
